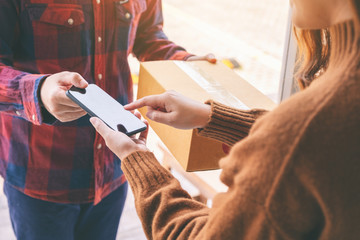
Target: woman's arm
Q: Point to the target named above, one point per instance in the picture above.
(168, 212)
(215, 120)
(229, 125)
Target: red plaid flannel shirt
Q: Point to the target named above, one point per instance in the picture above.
(42, 157)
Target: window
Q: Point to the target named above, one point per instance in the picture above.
(251, 32)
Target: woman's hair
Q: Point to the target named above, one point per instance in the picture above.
(338, 44)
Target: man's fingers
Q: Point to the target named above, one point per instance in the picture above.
(75, 112)
(211, 58)
(70, 116)
(66, 101)
(65, 105)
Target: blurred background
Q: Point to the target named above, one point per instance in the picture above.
(250, 32)
(248, 36)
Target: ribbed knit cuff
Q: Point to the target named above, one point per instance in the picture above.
(229, 125)
(144, 172)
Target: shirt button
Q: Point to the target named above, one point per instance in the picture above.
(99, 39)
(100, 76)
(70, 21)
(127, 15)
(98, 1)
(18, 113)
(33, 117)
(99, 146)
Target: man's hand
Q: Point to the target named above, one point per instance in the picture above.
(209, 57)
(53, 95)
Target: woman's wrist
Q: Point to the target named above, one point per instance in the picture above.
(203, 116)
(131, 148)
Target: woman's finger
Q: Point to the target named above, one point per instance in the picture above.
(159, 116)
(137, 114)
(154, 101)
(144, 134)
(100, 127)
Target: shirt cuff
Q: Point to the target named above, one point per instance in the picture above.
(46, 116)
(181, 55)
(30, 86)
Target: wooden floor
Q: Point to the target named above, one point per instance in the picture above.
(204, 28)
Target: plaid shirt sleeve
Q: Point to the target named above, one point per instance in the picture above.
(18, 89)
(151, 43)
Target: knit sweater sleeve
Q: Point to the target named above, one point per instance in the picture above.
(168, 212)
(229, 125)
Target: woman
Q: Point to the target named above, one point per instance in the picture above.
(296, 173)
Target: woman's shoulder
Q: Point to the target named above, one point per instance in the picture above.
(325, 117)
(327, 101)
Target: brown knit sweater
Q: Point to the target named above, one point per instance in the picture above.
(295, 176)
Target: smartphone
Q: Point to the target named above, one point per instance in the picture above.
(97, 103)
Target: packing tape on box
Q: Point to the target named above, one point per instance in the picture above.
(210, 85)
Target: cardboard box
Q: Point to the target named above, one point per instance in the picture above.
(200, 81)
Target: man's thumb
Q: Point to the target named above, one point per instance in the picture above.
(79, 81)
(74, 79)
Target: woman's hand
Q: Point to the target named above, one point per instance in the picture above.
(174, 109)
(118, 142)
